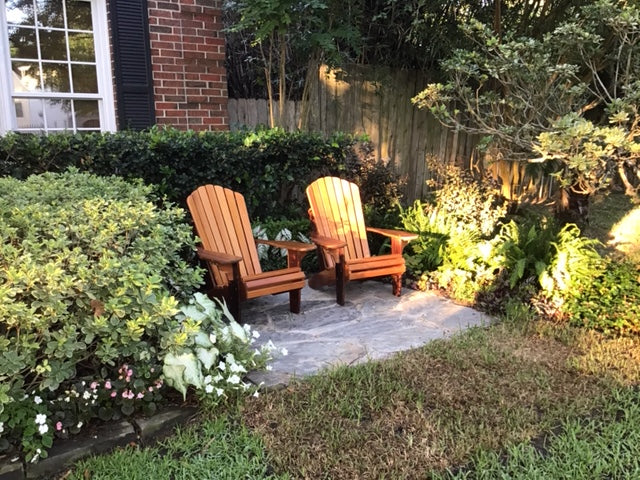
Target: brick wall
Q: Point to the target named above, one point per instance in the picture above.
(187, 57)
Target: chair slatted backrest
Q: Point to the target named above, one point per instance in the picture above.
(336, 210)
(222, 223)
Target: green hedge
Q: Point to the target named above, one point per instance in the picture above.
(270, 167)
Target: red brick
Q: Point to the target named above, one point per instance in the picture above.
(160, 29)
(175, 113)
(172, 68)
(166, 106)
(172, 83)
(168, 6)
(162, 75)
(159, 90)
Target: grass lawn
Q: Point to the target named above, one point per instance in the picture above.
(519, 399)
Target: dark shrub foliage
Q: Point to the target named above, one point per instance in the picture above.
(270, 168)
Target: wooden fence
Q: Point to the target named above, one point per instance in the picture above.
(378, 102)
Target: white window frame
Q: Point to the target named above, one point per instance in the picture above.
(106, 102)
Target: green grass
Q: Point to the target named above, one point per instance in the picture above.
(602, 447)
(432, 409)
(217, 448)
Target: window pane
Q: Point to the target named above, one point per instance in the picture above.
(53, 45)
(50, 13)
(26, 76)
(85, 79)
(79, 15)
(29, 112)
(81, 47)
(87, 114)
(58, 113)
(22, 43)
(56, 77)
(20, 12)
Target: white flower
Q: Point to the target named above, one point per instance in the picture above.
(255, 334)
(217, 378)
(235, 368)
(208, 388)
(36, 456)
(41, 418)
(37, 400)
(219, 391)
(284, 352)
(235, 379)
(222, 366)
(67, 399)
(269, 368)
(1, 427)
(86, 395)
(212, 338)
(79, 425)
(207, 380)
(43, 429)
(256, 394)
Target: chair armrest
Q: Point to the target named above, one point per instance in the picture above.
(217, 257)
(288, 245)
(328, 242)
(399, 238)
(399, 234)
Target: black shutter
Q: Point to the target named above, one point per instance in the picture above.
(132, 62)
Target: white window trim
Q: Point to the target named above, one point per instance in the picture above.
(103, 65)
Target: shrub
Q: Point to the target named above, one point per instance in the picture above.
(90, 272)
(271, 168)
(452, 251)
(609, 301)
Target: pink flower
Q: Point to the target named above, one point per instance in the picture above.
(59, 426)
(130, 395)
(140, 395)
(129, 372)
(151, 389)
(127, 379)
(107, 385)
(113, 394)
(93, 385)
(125, 394)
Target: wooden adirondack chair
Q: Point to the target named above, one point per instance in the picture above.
(340, 232)
(229, 250)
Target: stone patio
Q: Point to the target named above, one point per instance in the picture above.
(373, 324)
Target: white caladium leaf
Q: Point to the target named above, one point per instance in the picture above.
(192, 311)
(191, 374)
(202, 340)
(207, 356)
(237, 331)
(173, 378)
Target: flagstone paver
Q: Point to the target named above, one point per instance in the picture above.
(372, 325)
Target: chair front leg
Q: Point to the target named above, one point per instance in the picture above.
(397, 284)
(340, 280)
(295, 298)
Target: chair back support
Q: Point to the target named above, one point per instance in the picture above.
(222, 223)
(336, 211)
